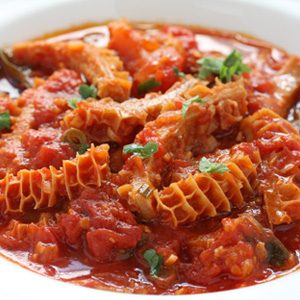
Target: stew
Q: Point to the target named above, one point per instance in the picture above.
(150, 158)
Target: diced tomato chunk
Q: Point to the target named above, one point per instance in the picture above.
(188, 40)
(186, 36)
(152, 56)
(108, 228)
(62, 84)
(232, 251)
(72, 228)
(44, 148)
(125, 40)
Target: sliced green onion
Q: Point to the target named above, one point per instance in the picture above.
(75, 138)
(5, 120)
(178, 73)
(148, 85)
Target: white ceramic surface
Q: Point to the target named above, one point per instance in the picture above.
(277, 21)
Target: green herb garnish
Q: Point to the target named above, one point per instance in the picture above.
(87, 91)
(277, 253)
(148, 85)
(178, 73)
(205, 166)
(73, 103)
(224, 69)
(83, 148)
(142, 151)
(233, 64)
(188, 102)
(210, 66)
(154, 260)
(5, 120)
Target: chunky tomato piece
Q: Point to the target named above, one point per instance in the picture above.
(9, 105)
(186, 36)
(160, 65)
(105, 225)
(237, 250)
(49, 98)
(188, 40)
(152, 54)
(72, 229)
(44, 148)
(238, 260)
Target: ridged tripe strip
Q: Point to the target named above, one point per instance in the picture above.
(107, 120)
(36, 189)
(101, 66)
(198, 195)
(264, 121)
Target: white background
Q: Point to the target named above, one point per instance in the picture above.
(18, 5)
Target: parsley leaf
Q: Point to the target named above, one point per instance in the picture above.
(148, 85)
(205, 166)
(210, 66)
(142, 151)
(83, 148)
(178, 73)
(188, 102)
(154, 260)
(5, 120)
(87, 91)
(224, 69)
(73, 103)
(233, 64)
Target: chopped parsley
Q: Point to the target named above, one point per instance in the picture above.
(178, 73)
(142, 151)
(224, 69)
(205, 166)
(233, 64)
(83, 148)
(73, 103)
(188, 102)
(209, 66)
(87, 91)
(5, 120)
(148, 85)
(154, 260)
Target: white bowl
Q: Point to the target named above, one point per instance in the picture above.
(274, 21)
